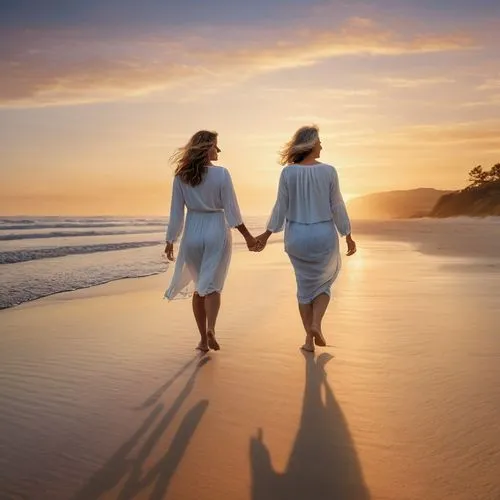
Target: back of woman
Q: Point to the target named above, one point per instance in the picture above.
(310, 207)
(207, 192)
(211, 194)
(313, 193)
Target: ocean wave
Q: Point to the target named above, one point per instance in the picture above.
(17, 221)
(12, 298)
(78, 225)
(17, 256)
(72, 234)
(55, 218)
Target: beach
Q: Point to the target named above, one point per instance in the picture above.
(103, 395)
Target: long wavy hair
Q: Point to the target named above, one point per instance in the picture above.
(300, 146)
(192, 159)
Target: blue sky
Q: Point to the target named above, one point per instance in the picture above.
(147, 12)
(164, 12)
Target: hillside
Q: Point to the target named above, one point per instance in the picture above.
(480, 201)
(395, 204)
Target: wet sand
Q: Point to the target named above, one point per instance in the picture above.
(103, 396)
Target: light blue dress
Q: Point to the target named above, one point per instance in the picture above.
(310, 208)
(205, 249)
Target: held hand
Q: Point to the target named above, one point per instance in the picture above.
(251, 243)
(261, 242)
(351, 246)
(169, 251)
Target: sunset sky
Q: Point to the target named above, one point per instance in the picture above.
(95, 95)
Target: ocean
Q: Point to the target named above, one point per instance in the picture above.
(47, 255)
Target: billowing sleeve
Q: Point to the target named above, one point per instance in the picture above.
(230, 202)
(339, 211)
(176, 220)
(278, 216)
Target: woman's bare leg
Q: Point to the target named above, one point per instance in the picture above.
(306, 313)
(319, 306)
(201, 319)
(212, 306)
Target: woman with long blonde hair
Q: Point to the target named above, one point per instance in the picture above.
(310, 208)
(206, 190)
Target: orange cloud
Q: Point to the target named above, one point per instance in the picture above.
(490, 84)
(482, 136)
(318, 120)
(409, 83)
(474, 134)
(50, 68)
(491, 101)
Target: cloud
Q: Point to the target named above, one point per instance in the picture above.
(491, 101)
(41, 68)
(325, 92)
(318, 120)
(474, 136)
(410, 83)
(359, 105)
(343, 93)
(490, 84)
(457, 133)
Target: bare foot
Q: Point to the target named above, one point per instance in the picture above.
(212, 342)
(202, 346)
(308, 344)
(317, 334)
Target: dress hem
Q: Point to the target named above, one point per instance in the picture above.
(189, 295)
(327, 291)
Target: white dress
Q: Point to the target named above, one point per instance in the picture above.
(205, 249)
(311, 209)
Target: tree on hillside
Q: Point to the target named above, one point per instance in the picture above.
(478, 176)
(495, 173)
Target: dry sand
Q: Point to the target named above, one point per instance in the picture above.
(103, 396)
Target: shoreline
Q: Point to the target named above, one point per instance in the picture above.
(470, 243)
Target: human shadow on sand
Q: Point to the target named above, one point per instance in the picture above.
(155, 397)
(323, 464)
(127, 466)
